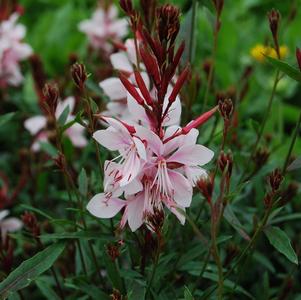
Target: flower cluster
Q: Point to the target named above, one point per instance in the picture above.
(104, 27)
(159, 162)
(12, 51)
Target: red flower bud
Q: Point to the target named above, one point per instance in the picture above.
(79, 75)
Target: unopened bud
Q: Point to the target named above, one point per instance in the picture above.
(226, 108)
(116, 295)
(30, 221)
(274, 20)
(113, 251)
(205, 185)
(168, 22)
(298, 56)
(268, 200)
(51, 96)
(225, 162)
(79, 75)
(275, 179)
(261, 157)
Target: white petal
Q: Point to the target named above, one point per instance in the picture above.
(4, 213)
(135, 211)
(121, 62)
(11, 224)
(35, 124)
(113, 88)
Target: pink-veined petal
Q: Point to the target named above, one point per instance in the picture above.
(102, 207)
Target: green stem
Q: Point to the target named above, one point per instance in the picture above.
(291, 145)
(191, 40)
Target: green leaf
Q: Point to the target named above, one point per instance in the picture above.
(285, 68)
(137, 290)
(30, 269)
(63, 116)
(286, 218)
(6, 118)
(281, 242)
(83, 183)
(113, 272)
(233, 221)
(77, 235)
(187, 294)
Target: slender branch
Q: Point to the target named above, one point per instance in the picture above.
(292, 145)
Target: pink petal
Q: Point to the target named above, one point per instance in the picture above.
(192, 155)
(152, 140)
(101, 207)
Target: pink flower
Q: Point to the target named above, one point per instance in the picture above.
(12, 51)
(104, 26)
(8, 224)
(37, 126)
(164, 174)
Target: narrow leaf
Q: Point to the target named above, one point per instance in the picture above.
(30, 269)
(83, 182)
(281, 242)
(63, 116)
(6, 118)
(284, 67)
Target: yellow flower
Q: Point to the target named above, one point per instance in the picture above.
(260, 51)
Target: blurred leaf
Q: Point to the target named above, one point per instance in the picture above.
(64, 115)
(187, 294)
(30, 269)
(36, 210)
(281, 242)
(286, 218)
(137, 290)
(46, 289)
(113, 272)
(285, 68)
(6, 118)
(296, 164)
(83, 182)
(94, 106)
